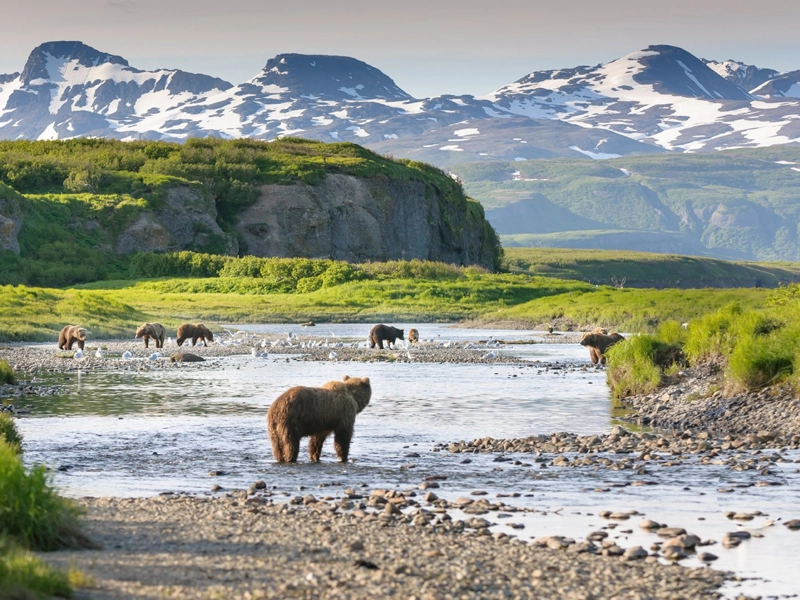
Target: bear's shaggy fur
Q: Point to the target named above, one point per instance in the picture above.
(384, 333)
(598, 343)
(316, 412)
(186, 357)
(155, 331)
(71, 334)
(195, 332)
(413, 336)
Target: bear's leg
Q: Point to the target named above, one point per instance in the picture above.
(291, 449)
(341, 442)
(277, 447)
(81, 344)
(380, 343)
(146, 341)
(315, 445)
(179, 342)
(159, 342)
(194, 341)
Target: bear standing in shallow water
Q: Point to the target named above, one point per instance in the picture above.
(317, 412)
(598, 343)
(384, 333)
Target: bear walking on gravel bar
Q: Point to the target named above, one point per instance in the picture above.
(71, 334)
(195, 332)
(156, 331)
(384, 333)
(598, 343)
(317, 412)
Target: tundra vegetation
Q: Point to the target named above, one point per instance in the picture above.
(32, 517)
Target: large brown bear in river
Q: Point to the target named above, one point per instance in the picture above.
(195, 332)
(598, 343)
(152, 330)
(384, 333)
(71, 334)
(316, 412)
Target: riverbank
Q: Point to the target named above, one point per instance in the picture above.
(243, 546)
(696, 399)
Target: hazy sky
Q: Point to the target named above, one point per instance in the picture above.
(428, 47)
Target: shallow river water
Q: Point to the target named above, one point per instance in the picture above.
(142, 433)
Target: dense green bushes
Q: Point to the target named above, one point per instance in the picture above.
(754, 348)
(6, 373)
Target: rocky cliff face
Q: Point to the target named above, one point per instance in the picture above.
(357, 220)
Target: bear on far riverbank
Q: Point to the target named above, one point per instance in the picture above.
(384, 333)
(71, 334)
(195, 332)
(152, 330)
(317, 412)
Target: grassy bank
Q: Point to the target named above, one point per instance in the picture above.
(647, 270)
(32, 517)
(755, 347)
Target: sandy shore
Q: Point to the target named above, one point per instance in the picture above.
(243, 546)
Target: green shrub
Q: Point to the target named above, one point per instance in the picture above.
(713, 336)
(30, 510)
(177, 264)
(24, 576)
(6, 373)
(632, 367)
(761, 360)
(9, 433)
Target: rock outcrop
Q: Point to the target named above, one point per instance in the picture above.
(375, 219)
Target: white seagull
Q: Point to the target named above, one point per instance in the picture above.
(127, 355)
(78, 353)
(154, 356)
(489, 355)
(332, 355)
(99, 353)
(254, 352)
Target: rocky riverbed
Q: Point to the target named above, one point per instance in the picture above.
(243, 545)
(697, 400)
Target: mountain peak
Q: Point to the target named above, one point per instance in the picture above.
(36, 66)
(329, 77)
(674, 71)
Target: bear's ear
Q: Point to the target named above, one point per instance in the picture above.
(346, 377)
(365, 380)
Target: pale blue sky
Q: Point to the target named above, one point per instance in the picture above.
(428, 47)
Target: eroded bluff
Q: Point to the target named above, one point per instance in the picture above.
(367, 219)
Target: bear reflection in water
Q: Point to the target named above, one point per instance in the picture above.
(316, 412)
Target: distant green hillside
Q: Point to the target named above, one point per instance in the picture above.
(647, 270)
(737, 204)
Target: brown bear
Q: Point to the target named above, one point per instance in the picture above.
(598, 343)
(413, 336)
(316, 412)
(195, 332)
(71, 334)
(186, 357)
(152, 330)
(384, 333)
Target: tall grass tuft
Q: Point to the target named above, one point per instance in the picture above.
(632, 368)
(6, 373)
(31, 512)
(9, 433)
(23, 576)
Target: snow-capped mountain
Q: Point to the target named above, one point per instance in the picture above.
(747, 77)
(660, 98)
(785, 85)
(69, 89)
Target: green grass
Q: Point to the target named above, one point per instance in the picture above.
(9, 433)
(24, 576)
(6, 373)
(31, 512)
